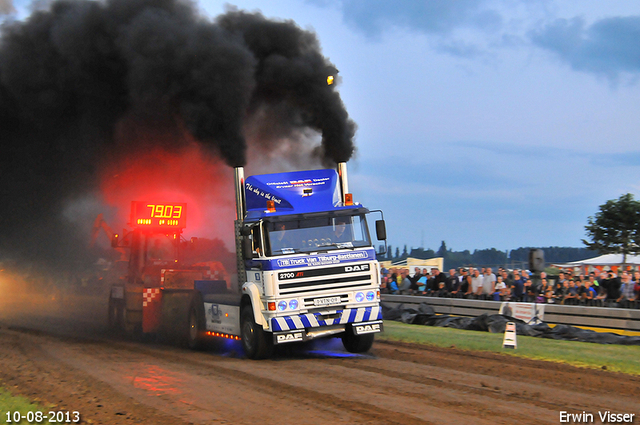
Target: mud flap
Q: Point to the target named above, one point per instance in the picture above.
(291, 336)
(367, 327)
(151, 309)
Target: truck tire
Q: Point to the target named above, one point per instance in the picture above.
(132, 323)
(196, 323)
(357, 343)
(174, 318)
(256, 342)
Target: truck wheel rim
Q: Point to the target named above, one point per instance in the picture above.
(193, 327)
(247, 336)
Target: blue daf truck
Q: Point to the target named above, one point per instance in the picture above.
(307, 267)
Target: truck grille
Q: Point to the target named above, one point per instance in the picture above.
(317, 281)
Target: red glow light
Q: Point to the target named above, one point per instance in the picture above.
(157, 380)
(221, 335)
(188, 176)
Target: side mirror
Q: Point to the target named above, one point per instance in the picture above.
(245, 230)
(247, 248)
(121, 241)
(381, 230)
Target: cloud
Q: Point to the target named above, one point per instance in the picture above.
(624, 159)
(430, 17)
(603, 160)
(521, 151)
(6, 7)
(460, 48)
(607, 48)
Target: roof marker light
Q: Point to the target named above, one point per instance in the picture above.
(271, 206)
(348, 199)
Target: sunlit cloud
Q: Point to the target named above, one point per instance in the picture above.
(608, 47)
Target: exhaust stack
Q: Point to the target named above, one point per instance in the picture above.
(344, 184)
(240, 199)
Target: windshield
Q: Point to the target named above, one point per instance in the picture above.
(326, 233)
(160, 249)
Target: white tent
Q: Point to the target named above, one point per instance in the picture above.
(607, 260)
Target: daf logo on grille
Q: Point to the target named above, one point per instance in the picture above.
(360, 268)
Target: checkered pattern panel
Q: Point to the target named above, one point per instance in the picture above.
(212, 274)
(150, 295)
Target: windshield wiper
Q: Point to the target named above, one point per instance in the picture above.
(333, 244)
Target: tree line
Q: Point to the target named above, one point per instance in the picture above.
(614, 229)
(487, 257)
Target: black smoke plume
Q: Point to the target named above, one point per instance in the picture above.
(73, 74)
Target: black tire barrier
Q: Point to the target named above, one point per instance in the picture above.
(424, 314)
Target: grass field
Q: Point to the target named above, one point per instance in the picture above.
(618, 358)
(10, 404)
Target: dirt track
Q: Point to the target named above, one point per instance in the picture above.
(71, 364)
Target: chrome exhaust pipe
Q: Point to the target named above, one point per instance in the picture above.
(240, 199)
(344, 184)
(325, 332)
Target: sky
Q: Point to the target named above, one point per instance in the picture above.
(486, 124)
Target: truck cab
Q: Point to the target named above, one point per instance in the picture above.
(309, 263)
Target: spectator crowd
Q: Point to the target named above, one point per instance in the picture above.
(598, 288)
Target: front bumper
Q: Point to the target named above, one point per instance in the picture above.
(304, 327)
(315, 320)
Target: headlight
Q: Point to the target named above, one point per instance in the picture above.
(360, 297)
(282, 305)
(293, 304)
(371, 296)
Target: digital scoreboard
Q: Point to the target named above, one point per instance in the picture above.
(158, 215)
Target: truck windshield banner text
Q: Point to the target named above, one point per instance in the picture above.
(321, 260)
